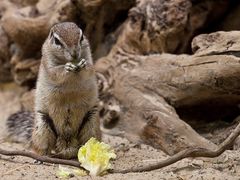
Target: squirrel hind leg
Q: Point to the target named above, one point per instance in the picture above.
(20, 126)
(90, 126)
(43, 135)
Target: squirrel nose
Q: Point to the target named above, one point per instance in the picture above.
(74, 55)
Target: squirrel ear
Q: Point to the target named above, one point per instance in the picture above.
(82, 37)
(51, 34)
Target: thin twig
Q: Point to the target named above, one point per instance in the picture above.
(191, 152)
(40, 158)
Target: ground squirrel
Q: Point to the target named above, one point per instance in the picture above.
(66, 113)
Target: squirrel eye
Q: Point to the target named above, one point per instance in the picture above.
(56, 41)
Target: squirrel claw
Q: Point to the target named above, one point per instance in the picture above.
(82, 63)
(70, 67)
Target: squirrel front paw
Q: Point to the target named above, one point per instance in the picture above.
(82, 63)
(70, 67)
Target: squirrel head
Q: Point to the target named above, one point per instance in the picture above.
(65, 42)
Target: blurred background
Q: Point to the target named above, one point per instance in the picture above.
(25, 24)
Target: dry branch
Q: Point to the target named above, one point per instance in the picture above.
(40, 158)
(192, 152)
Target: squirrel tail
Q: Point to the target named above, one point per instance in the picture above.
(20, 127)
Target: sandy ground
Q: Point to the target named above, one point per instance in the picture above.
(227, 166)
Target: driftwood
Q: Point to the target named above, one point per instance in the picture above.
(146, 89)
(146, 92)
